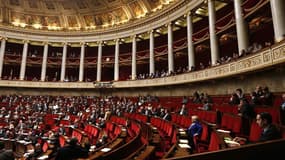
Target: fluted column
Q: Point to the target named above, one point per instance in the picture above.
(278, 18)
(2, 52)
(44, 64)
(151, 53)
(170, 48)
(24, 60)
(116, 65)
(213, 36)
(63, 62)
(99, 62)
(81, 67)
(134, 60)
(191, 52)
(241, 27)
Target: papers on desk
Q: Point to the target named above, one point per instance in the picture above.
(105, 149)
(43, 157)
(92, 148)
(184, 141)
(24, 142)
(184, 145)
(231, 143)
(223, 131)
(181, 130)
(30, 151)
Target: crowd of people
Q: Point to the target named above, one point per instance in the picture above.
(23, 117)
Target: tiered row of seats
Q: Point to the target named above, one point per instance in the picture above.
(229, 120)
(167, 132)
(180, 120)
(208, 116)
(92, 132)
(133, 142)
(146, 151)
(232, 123)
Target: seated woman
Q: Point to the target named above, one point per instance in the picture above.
(195, 129)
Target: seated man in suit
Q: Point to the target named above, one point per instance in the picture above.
(71, 151)
(166, 115)
(6, 154)
(269, 130)
(183, 111)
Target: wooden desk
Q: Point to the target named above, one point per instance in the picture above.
(249, 151)
(181, 152)
(222, 136)
(156, 139)
(148, 153)
(98, 153)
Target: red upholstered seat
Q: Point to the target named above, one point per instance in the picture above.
(255, 132)
(214, 142)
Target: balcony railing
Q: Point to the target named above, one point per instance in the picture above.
(265, 58)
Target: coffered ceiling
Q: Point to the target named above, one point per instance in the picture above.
(76, 14)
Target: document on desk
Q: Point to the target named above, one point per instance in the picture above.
(223, 131)
(43, 157)
(105, 149)
(184, 141)
(183, 145)
(231, 143)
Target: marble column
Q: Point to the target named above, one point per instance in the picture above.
(116, 65)
(44, 64)
(213, 37)
(2, 52)
(134, 60)
(81, 66)
(63, 62)
(278, 18)
(241, 27)
(99, 62)
(151, 53)
(170, 49)
(191, 52)
(24, 60)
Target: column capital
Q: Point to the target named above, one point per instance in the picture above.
(45, 43)
(82, 43)
(64, 43)
(3, 38)
(188, 13)
(100, 42)
(168, 24)
(151, 31)
(26, 41)
(117, 40)
(134, 36)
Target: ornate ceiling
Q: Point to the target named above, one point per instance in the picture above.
(71, 15)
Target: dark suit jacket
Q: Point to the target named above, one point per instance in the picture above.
(270, 134)
(182, 112)
(71, 153)
(6, 155)
(167, 117)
